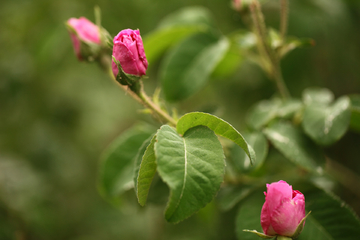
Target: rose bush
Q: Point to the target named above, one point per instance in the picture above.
(128, 49)
(83, 30)
(283, 210)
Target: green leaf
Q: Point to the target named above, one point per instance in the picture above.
(197, 15)
(317, 96)
(295, 146)
(262, 113)
(355, 112)
(145, 169)
(248, 216)
(229, 63)
(241, 161)
(330, 217)
(265, 111)
(327, 124)
(117, 161)
(192, 166)
(156, 43)
(175, 27)
(188, 66)
(219, 126)
(229, 196)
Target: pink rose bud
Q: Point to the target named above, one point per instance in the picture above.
(283, 210)
(83, 31)
(236, 4)
(128, 49)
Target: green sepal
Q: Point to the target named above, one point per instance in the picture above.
(300, 227)
(283, 238)
(262, 235)
(126, 79)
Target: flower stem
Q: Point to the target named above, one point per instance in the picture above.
(155, 108)
(141, 97)
(271, 60)
(284, 12)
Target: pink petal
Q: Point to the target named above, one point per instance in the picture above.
(286, 217)
(276, 193)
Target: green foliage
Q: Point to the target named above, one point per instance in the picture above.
(295, 146)
(323, 122)
(192, 166)
(229, 196)
(260, 145)
(158, 41)
(216, 124)
(330, 217)
(188, 66)
(57, 116)
(267, 110)
(145, 170)
(116, 170)
(248, 216)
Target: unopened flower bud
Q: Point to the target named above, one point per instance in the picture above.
(128, 50)
(85, 36)
(236, 4)
(283, 210)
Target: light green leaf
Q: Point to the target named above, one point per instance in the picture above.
(330, 218)
(197, 15)
(317, 96)
(161, 39)
(265, 111)
(192, 166)
(262, 113)
(295, 146)
(241, 161)
(355, 112)
(326, 124)
(219, 126)
(147, 170)
(229, 63)
(187, 67)
(117, 161)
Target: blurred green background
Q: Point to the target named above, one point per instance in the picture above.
(57, 115)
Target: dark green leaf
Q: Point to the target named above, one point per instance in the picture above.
(355, 112)
(327, 124)
(294, 145)
(330, 218)
(117, 161)
(145, 170)
(248, 216)
(219, 126)
(229, 196)
(241, 161)
(187, 67)
(192, 166)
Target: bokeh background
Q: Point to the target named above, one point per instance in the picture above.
(57, 114)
